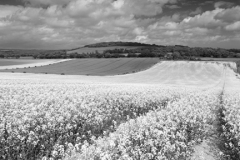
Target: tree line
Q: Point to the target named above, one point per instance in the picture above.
(163, 52)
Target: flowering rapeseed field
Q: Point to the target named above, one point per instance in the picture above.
(56, 120)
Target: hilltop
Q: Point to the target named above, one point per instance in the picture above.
(110, 44)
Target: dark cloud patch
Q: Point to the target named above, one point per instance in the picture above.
(12, 2)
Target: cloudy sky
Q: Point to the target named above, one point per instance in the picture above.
(64, 24)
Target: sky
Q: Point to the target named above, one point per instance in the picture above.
(66, 24)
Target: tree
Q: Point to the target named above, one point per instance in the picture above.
(176, 55)
(17, 56)
(238, 55)
(132, 55)
(107, 55)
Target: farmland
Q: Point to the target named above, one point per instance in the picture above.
(221, 59)
(165, 112)
(99, 67)
(27, 63)
(10, 62)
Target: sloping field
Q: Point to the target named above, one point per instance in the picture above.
(174, 110)
(173, 73)
(221, 59)
(10, 62)
(23, 63)
(180, 73)
(100, 49)
(100, 67)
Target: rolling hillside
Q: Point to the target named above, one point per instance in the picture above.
(96, 67)
(26, 63)
(176, 92)
(167, 73)
(10, 62)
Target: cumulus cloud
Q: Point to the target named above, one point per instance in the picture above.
(80, 21)
(8, 10)
(205, 19)
(233, 27)
(229, 15)
(200, 30)
(72, 23)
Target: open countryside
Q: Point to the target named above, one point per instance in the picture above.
(119, 80)
(173, 91)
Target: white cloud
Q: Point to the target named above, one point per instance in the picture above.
(118, 4)
(229, 15)
(72, 23)
(200, 30)
(8, 10)
(141, 38)
(233, 27)
(204, 20)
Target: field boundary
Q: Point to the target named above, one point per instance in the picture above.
(238, 66)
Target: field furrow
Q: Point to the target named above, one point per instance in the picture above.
(96, 67)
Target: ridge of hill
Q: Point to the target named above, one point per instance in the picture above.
(119, 43)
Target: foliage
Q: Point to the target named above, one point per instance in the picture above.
(140, 49)
(43, 118)
(169, 133)
(230, 126)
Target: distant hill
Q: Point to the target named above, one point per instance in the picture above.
(110, 44)
(125, 49)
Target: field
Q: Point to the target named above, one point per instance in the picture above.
(99, 67)
(173, 110)
(10, 62)
(26, 63)
(100, 49)
(237, 60)
(221, 59)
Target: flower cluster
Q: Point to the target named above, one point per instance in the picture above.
(49, 119)
(167, 133)
(230, 125)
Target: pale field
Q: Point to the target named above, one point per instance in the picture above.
(220, 59)
(25, 63)
(168, 73)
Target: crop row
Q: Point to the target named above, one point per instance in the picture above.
(168, 133)
(42, 119)
(230, 125)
